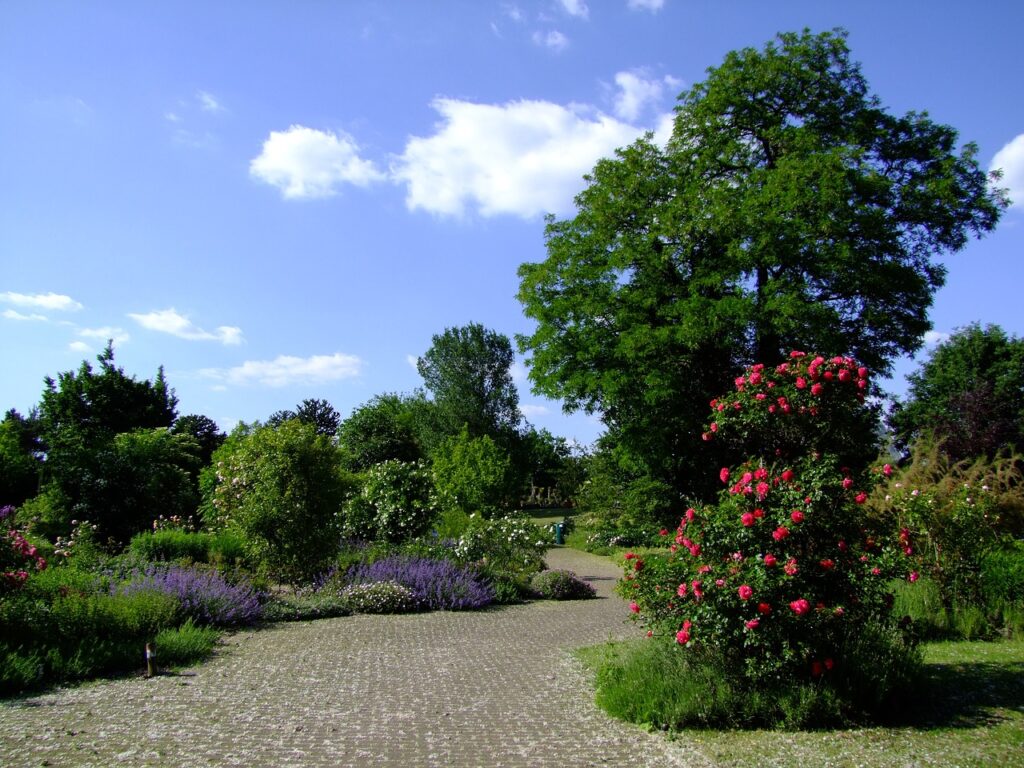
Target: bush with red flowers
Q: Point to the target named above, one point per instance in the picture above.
(782, 581)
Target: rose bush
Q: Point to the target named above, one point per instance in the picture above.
(782, 578)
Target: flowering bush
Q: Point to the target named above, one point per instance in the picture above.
(204, 596)
(781, 578)
(280, 488)
(561, 585)
(394, 504)
(435, 584)
(379, 597)
(18, 557)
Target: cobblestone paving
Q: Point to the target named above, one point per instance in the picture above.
(494, 688)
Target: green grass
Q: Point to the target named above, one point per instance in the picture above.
(968, 712)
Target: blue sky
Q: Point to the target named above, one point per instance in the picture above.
(279, 200)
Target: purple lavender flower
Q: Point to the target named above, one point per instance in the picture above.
(6, 511)
(437, 584)
(204, 595)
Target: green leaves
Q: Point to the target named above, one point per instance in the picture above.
(787, 210)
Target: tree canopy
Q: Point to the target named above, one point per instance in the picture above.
(969, 394)
(467, 370)
(84, 473)
(788, 210)
(316, 412)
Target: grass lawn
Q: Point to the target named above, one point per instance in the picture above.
(969, 712)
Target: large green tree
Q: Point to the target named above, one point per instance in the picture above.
(788, 210)
(468, 371)
(84, 476)
(19, 457)
(969, 394)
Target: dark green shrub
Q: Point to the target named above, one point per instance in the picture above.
(1002, 574)
(280, 489)
(171, 544)
(184, 645)
(561, 585)
(651, 683)
(303, 606)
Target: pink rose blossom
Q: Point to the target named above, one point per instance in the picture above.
(800, 607)
(745, 592)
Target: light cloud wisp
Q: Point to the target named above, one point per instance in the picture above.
(170, 321)
(55, 302)
(287, 370)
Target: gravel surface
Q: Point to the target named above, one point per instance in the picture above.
(491, 688)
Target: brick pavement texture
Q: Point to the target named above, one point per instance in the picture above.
(496, 688)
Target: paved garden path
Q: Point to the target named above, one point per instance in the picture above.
(491, 688)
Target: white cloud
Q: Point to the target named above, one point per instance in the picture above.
(635, 93)
(1011, 160)
(304, 162)
(106, 333)
(208, 102)
(80, 347)
(513, 12)
(552, 40)
(11, 314)
(52, 301)
(170, 321)
(576, 8)
(286, 370)
(534, 411)
(413, 362)
(523, 158)
(932, 338)
(172, 117)
(646, 5)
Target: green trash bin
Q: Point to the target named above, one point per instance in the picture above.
(559, 529)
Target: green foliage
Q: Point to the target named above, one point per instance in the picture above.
(623, 506)
(282, 490)
(67, 628)
(19, 462)
(386, 428)
(395, 503)
(650, 683)
(561, 585)
(319, 414)
(474, 475)
(305, 605)
(224, 547)
(969, 394)
(468, 372)
(952, 516)
(379, 597)
(789, 208)
(94, 473)
(204, 431)
(184, 645)
(554, 469)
